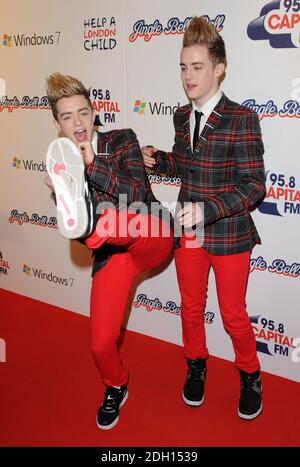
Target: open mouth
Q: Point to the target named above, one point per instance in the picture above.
(80, 135)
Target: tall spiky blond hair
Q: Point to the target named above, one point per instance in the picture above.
(59, 86)
(199, 31)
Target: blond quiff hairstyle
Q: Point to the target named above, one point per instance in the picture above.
(59, 86)
(200, 32)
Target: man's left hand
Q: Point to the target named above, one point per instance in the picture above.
(191, 214)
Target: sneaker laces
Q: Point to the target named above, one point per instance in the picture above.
(112, 400)
(195, 372)
(249, 384)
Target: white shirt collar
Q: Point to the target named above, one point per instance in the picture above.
(95, 142)
(208, 107)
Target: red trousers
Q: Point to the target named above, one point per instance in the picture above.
(110, 292)
(231, 275)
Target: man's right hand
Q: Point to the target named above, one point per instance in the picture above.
(148, 156)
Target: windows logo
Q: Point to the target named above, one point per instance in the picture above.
(26, 269)
(139, 107)
(16, 163)
(6, 40)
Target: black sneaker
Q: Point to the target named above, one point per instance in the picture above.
(75, 211)
(250, 405)
(108, 414)
(193, 390)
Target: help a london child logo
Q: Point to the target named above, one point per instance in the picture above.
(283, 195)
(278, 23)
(4, 266)
(38, 273)
(105, 107)
(271, 337)
(99, 34)
(21, 218)
(174, 26)
(278, 266)
(143, 302)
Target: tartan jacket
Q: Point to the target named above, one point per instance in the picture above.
(118, 169)
(225, 172)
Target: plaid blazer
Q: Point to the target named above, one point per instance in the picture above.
(225, 172)
(118, 169)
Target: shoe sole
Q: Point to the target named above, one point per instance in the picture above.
(66, 169)
(108, 427)
(192, 403)
(250, 417)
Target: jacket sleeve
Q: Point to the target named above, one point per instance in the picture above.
(106, 177)
(166, 161)
(250, 188)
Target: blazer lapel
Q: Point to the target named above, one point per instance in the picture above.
(212, 122)
(186, 128)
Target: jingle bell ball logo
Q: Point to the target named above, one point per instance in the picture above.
(105, 107)
(271, 337)
(282, 197)
(20, 218)
(143, 302)
(25, 103)
(279, 23)
(174, 26)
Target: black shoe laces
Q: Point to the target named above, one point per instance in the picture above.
(112, 400)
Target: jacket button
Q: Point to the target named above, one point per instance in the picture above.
(191, 171)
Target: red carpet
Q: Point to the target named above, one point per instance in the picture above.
(50, 390)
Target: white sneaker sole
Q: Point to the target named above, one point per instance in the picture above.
(66, 169)
(250, 417)
(108, 427)
(193, 403)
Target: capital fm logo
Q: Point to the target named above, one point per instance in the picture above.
(279, 23)
(28, 165)
(4, 266)
(141, 107)
(104, 106)
(271, 337)
(99, 34)
(155, 304)
(174, 26)
(38, 273)
(282, 197)
(31, 40)
(21, 218)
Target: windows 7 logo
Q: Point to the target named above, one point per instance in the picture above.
(139, 107)
(26, 269)
(16, 163)
(6, 40)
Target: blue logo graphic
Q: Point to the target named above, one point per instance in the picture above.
(279, 23)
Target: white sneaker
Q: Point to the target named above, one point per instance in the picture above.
(67, 172)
